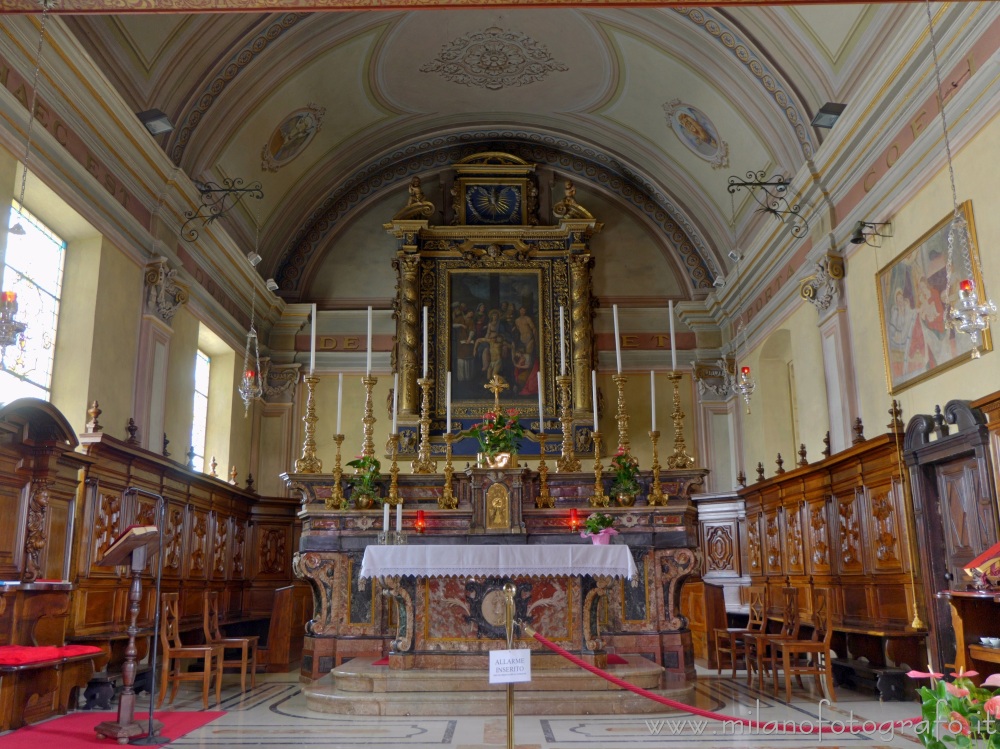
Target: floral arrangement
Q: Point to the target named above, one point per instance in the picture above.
(626, 473)
(597, 522)
(366, 477)
(499, 432)
(958, 713)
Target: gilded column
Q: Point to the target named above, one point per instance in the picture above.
(581, 329)
(406, 332)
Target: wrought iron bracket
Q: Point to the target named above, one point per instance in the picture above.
(770, 196)
(216, 201)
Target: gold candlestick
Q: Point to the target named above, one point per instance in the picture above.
(336, 499)
(544, 499)
(394, 499)
(447, 500)
(368, 422)
(600, 499)
(624, 444)
(568, 462)
(656, 496)
(680, 459)
(309, 463)
(423, 462)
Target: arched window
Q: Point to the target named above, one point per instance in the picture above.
(33, 269)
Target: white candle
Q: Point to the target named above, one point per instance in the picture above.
(312, 343)
(593, 387)
(368, 366)
(385, 516)
(618, 347)
(541, 404)
(447, 400)
(673, 346)
(425, 343)
(340, 398)
(395, 399)
(652, 399)
(562, 343)
(399, 516)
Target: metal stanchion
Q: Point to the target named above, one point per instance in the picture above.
(508, 595)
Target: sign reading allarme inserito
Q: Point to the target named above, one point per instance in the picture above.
(509, 666)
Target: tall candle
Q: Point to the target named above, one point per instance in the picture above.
(368, 365)
(385, 516)
(541, 404)
(673, 346)
(399, 516)
(618, 344)
(447, 400)
(425, 343)
(395, 399)
(340, 398)
(562, 343)
(652, 399)
(593, 388)
(312, 343)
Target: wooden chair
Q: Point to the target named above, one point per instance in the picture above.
(803, 657)
(730, 640)
(246, 645)
(175, 653)
(758, 645)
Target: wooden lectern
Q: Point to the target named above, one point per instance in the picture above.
(132, 547)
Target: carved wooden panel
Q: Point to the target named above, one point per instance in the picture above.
(239, 545)
(197, 558)
(849, 533)
(772, 543)
(754, 563)
(819, 538)
(885, 528)
(794, 556)
(271, 551)
(720, 548)
(220, 546)
(174, 543)
(107, 519)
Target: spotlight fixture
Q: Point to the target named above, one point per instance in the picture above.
(254, 258)
(155, 121)
(271, 284)
(828, 115)
(865, 230)
(735, 256)
(719, 282)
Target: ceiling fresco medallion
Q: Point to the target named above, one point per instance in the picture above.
(291, 137)
(697, 132)
(493, 58)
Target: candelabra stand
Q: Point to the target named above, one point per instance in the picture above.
(624, 444)
(656, 496)
(309, 463)
(336, 499)
(447, 500)
(544, 499)
(680, 459)
(568, 462)
(423, 462)
(368, 422)
(600, 499)
(394, 499)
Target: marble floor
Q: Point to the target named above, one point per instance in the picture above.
(274, 715)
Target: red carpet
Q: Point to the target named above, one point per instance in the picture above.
(76, 731)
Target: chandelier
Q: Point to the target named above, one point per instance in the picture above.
(252, 384)
(743, 384)
(969, 315)
(11, 330)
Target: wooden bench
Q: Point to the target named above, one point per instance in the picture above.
(872, 659)
(887, 682)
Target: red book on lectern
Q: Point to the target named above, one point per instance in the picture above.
(132, 538)
(988, 562)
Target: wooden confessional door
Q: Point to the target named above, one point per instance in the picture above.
(954, 509)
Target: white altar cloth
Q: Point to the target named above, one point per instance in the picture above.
(472, 560)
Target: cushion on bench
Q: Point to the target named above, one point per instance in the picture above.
(22, 655)
(72, 651)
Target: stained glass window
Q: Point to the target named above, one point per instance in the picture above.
(33, 269)
(199, 424)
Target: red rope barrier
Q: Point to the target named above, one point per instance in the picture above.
(786, 726)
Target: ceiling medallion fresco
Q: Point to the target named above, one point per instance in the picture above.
(693, 128)
(291, 137)
(493, 59)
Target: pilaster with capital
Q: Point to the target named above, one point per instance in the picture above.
(164, 294)
(582, 329)
(407, 317)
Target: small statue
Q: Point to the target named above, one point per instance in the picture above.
(417, 205)
(568, 207)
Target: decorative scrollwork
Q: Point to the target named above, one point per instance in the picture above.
(216, 201)
(770, 196)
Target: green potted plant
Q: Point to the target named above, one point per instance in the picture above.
(598, 528)
(958, 713)
(626, 484)
(367, 474)
(499, 436)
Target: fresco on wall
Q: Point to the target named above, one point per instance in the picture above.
(913, 295)
(696, 131)
(291, 137)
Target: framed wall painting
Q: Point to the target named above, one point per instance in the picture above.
(913, 294)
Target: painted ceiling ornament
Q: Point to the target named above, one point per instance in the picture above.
(493, 58)
(697, 132)
(291, 137)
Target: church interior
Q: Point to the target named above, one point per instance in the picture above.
(335, 333)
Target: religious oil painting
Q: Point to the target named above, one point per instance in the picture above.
(696, 131)
(913, 293)
(291, 137)
(495, 324)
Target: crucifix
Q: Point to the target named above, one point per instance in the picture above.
(497, 385)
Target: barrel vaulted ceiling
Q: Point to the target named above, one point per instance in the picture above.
(653, 107)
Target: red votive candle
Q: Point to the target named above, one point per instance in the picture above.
(574, 518)
(249, 374)
(965, 285)
(9, 297)
(420, 524)
(745, 371)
